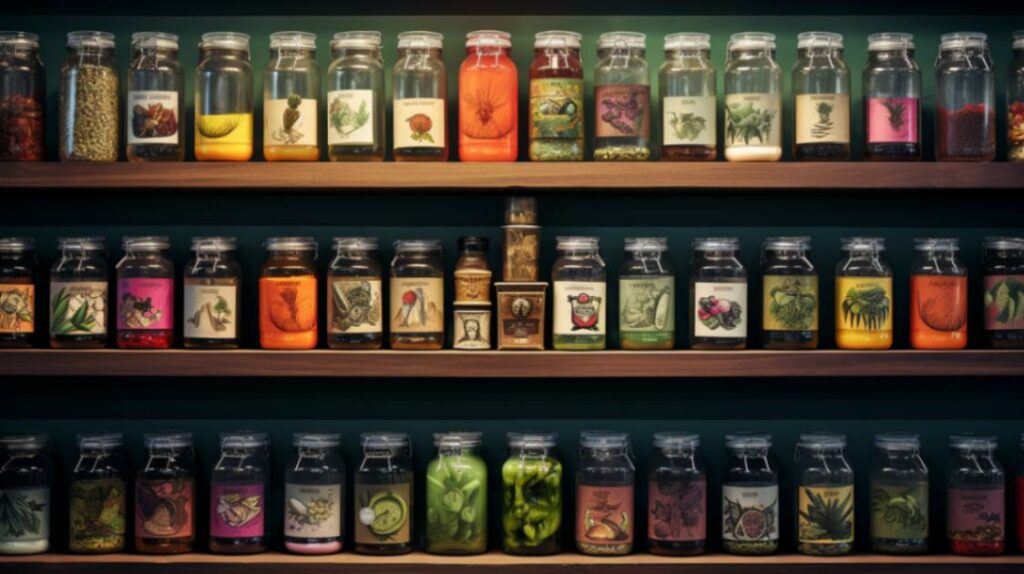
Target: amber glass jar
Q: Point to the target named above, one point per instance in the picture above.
(79, 278)
(419, 99)
(145, 294)
(17, 292)
(288, 294)
(792, 302)
(213, 280)
(355, 307)
(165, 495)
(556, 98)
(417, 295)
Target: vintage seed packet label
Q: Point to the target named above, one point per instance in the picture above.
(689, 120)
(419, 122)
(350, 117)
(823, 118)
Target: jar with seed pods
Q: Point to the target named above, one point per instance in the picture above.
(965, 99)
(156, 99)
(291, 96)
(89, 90)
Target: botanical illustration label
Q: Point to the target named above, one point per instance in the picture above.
(604, 514)
(646, 305)
(355, 306)
(623, 110)
(579, 308)
(417, 305)
(288, 304)
(790, 303)
(223, 129)
(237, 510)
(350, 118)
(383, 514)
(939, 303)
(899, 511)
(17, 307)
(153, 117)
(720, 309)
(977, 515)
(1004, 302)
(97, 514)
(750, 513)
(825, 514)
(689, 120)
(24, 514)
(472, 328)
(822, 118)
(211, 311)
(419, 122)
(78, 307)
(144, 303)
(677, 510)
(289, 121)
(556, 108)
(473, 286)
(864, 303)
(164, 508)
(312, 511)
(753, 120)
(892, 120)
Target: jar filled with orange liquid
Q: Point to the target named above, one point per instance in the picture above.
(488, 99)
(224, 98)
(288, 294)
(291, 86)
(863, 295)
(419, 97)
(938, 295)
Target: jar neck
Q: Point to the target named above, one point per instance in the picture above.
(499, 51)
(718, 255)
(899, 54)
(348, 52)
(688, 54)
(9, 456)
(296, 254)
(356, 254)
(821, 53)
(289, 52)
(223, 53)
(456, 450)
(865, 254)
(165, 458)
(531, 452)
(157, 53)
(89, 460)
(557, 52)
(752, 54)
(578, 253)
(622, 57)
(419, 53)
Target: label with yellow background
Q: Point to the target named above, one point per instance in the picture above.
(825, 514)
(864, 303)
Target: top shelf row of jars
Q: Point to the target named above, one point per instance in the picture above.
(293, 104)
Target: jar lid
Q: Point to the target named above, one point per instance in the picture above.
(604, 439)
(458, 439)
(784, 243)
(356, 244)
(99, 441)
(19, 39)
(968, 441)
(316, 440)
(521, 210)
(676, 440)
(631, 40)
(167, 440)
(885, 41)
(862, 243)
(244, 439)
(81, 243)
(215, 243)
(746, 440)
(936, 244)
(898, 441)
(1018, 40)
(16, 244)
(532, 439)
(634, 244)
(489, 38)
(292, 39)
(752, 41)
(1000, 242)
(822, 440)
(716, 244)
(566, 242)
(417, 245)
(474, 243)
(830, 40)
(420, 39)
(145, 242)
(157, 40)
(557, 39)
(25, 441)
(225, 41)
(290, 244)
(961, 40)
(357, 39)
(385, 440)
(687, 41)
(91, 38)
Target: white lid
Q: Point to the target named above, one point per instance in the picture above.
(357, 39)
(225, 40)
(819, 40)
(19, 39)
(158, 40)
(292, 39)
(420, 39)
(960, 40)
(646, 244)
(557, 39)
(861, 243)
(716, 244)
(1018, 40)
(752, 41)
(214, 243)
(688, 41)
(604, 439)
(489, 38)
(884, 41)
(634, 40)
(90, 38)
(290, 244)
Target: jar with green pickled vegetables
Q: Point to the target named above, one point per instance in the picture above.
(531, 480)
(457, 495)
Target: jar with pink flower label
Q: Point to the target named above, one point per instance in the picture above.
(145, 294)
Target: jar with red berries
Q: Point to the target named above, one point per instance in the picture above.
(965, 93)
(22, 97)
(145, 294)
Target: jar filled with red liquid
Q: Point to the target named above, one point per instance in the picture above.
(965, 99)
(556, 98)
(145, 294)
(488, 99)
(22, 97)
(976, 517)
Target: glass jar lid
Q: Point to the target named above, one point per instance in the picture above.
(214, 244)
(474, 244)
(316, 440)
(145, 242)
(527, 440)
(243, 440)
(794, 243)
(292, 39)
(646, 244)
(25, 441)
(91, 39)
(886, 41)
(385, 440)
(557, 39)
(81, 243)
(417, 245)
(622, 40)
(420, 40)
(482, 38)
(1018, 40)
(1000, 243)
(16, 244)
(862, 244)
(822, 441)
(155, 41)
(604, 439)
(167, 440)
(19, 39)
(748, 440)
(458, 440)
(969, 441)
(936, 244)
(687, 41)
(676, 440)
(716, 244)
(963, 40)
(572, 243)
(99, 441)
(751, 41)
(290, 244)
(356, 244)
(225, 41)
(366, 39)
(898, 441)
(828, 40)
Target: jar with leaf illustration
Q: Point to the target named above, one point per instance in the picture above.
(580, 294)
(556, 98)
(1003, 282)
(677, 496)
(419, 99)
(224, 98)
(156, 99)
(79, 305)
(355, 307)
(97, 513)
(965, 99)
(689, 106)
(355, 98)
(824, 495)
(165, 495)
(863, 295)
(291, 93)
(892, 99)
(622, 96)
(976, 513)
(647, 293)
(18, 275)
(314, 494)
(417, 295)
(605, 484)
(791, 299)
(718, 308)
(239, 485)
(899, 495)
(383, 497)
(26, 484)
(750, 496)
(145, 294)
(531, 481)
(753, 99)
(821, 94)
(288, 294)
(488, 99)
(938, 295)
(1014, 101)
(22, 98)
(212, 298)
(89, 90)
(457, 495)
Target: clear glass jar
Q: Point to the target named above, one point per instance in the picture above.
(145, 294)
(97, 514)
(647, 293)
(753, 99)
(677, 496)
(899, 495)
(1003, 281)
(156, 99)
(384, 490)
(355, 313)
(22, 98)
(892, 99)
(224, 98)
(79, 305)
(976, 515)
(718, 289)
(687, 92)
(791, 298)
(605, 482)
(18, 273)
(938, 295)
(622, 97)
(291, 93)
(472, 272)
(531, 480)
(213, 281)
(488, 99)
(750, 496)
(1014, 101)
(417, 295)
(239, 484)
(556, 98)
(824, 496)
(965, 99)
(864, 295)
(419, 99)
(579, 295)
(288, 294)
(314, 493)
(165, 495)
(26, 483)
(457, 495)
(355, 98)
(821, 94)
(89, 90)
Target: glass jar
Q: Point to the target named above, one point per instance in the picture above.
(753, 99)
(821, 94)
(355, 314)
(718, 290)
(824, 496)
(78, 294)
(1014, 101)
(22, 98)
(687, 92)
(677, 496)
(384, 489)
(790, 294)
(156, 99)
(355, 98)
(314, 493)
(750, 496)
(457, 495)
(238, 494)
(1020, 496)
(899, 496)
(580, 295)
(556, 97)
(97, 513)
(213, 280)
(291, 92)
(472, 272)
(165, 495)
(938, 295)
(417, 295)
(863, 295)
(145, 294)
(605, 481)
(17, 292)
(488, 99)
(419, 99)
(531, 480)
(892, 99)
(622, 97)
(976, 516)
(1003, 282)
(224, 98)
(89, 89)
(647, 293)
(26, 481)
(965, 99)
(288, 294)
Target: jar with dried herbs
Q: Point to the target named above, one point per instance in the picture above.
(26, 484)
(239, 484)
(750, 496)
(384, 495)
(864, 295)
(288, 294)
(965, 99)
(718, 308)
(224, 98)
(22, 98)
(99, 484)
(89, 89)
(419, 99)
(1015, 101)
(1003, 283)
(622, 96)
(753, 99)
(689, 106)
(892, 99)
(488, 99)
(824, 496)
(213, 280)
(165, 495)
(417, 295)
(314, 492)
(18, 275)
(355, 98)
(355, 309)
(899, 495)
(938, 295)
(79, 307)
(556, 98)
(156, 99)
(145, 294)
(580, 293)
(976, 498)
(291, 93)
(791, 299)
(677, 496)
(531, 481)
(821, 93)
(605, 487)
(457, 495)
(647, 293)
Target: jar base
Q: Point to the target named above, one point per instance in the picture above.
(163, 546)
(313, 548)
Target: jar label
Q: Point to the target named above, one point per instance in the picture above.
(825, 514)
(26, 516)
(224, 129)
(677, 510)
(97, 515)
(355, 306)
(419, 122)
(899, 511)
(689, 120)
(17, 307)
(864, 303)
(350, 118)
(892, 120)
(790, 303)
(556, 108)
(472, 286)
(939, 303)
(383, 514)
(153, 117)
(288, 304)
(237, 510)
(623, 111)
(647, 305)
(720, 310)
(312, 511)
(822, 118)
(163, 508)
(290, 121)
(604, 515)
(1004, 302)
(417, 305)
(472, 328)
(78, 307)
(753, 120)
(579, 307)
(750, 513)
(977, 515)
(144, 303)
(211, 311)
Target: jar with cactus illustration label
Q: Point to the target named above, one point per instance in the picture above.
(417, 295)
(753, 99)
(892, 99)
(864, 295)
(314, 495)
(677, 496)
(689, 107)
(488, 99)
(291, 88)
(899, 495)
(419, 99)
(556, 99)
(78, 294)
(288, 294)
(976, 497)
(718, 310)
(791, 301)
(750, 496)
(165, 495)
(938, 295)
(383, 495)
(239, 482)
(224, 98)
(26, 483)
(355, 97)
(605, 483)
(145, 294)
(1003, 282)
(355, 305)
(17, 291)
(156, 99)
(212, 294)
(622, 96)
(580, 295)
(98, 495)
(647, 295)
(821, 87)
(824, 496)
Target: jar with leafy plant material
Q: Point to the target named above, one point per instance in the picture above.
(938, 295)
(314, 494)
(1015, 101)
(791, 298)
(457, 495)
(892, 99)
(417, 295)
(965, 99)
(97, 513)
(18, 276)
(291, 93)
(22, 98)
(750, 496)
(384, 490)
(89, 90)
(899, 495)
(224, 98)
(531, 481)
(26, 483)
(687, 92)
(288, 294)
(1003, 282)
(753, 99)
(605, 483)
(79, 306)
(824, 496)
(580, 295)
(419, 99)
(556, 98)
(647, 293)
(677, 496)
(355, 98)
(239, 484)
(821, 94)
(863, 295)
(145, 294)
(213, 280)
(718, 310)
(355, 310)
(976, 515)
(488, 99)
(165, 495)
(156, 99)
(622, 97)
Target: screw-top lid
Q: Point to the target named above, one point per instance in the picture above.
(420, 39)
(225, 41)
(458, 439)
(526, 440)
(473, 243)
(793, 243)
(417, 245)
(1018, 40)
(25, 441)
(970, 441)
(646, 244)
(936, 244)
(81, 243)
(962, 40)
(1000, 242)
(687, 41)
(716, 244)
(806, 40)
(898, 441)
(862, 244)
(214, 244)
(752, 41)
(316, 440)
(822, 440)
(886, 41)
(155, 40)
(367, 39)
(557, 39)
(748, 440)
(604, 439)
(290, 244)
(356, 244)
(16, 244)
(482, 38)
(90, 38)
(621, 40)
(676, 440)
(572, 242)
(157, 440)
(99, 441)
(244, 439)
(145, 242)
(293, 39)
(19, 39)
(381, 440)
